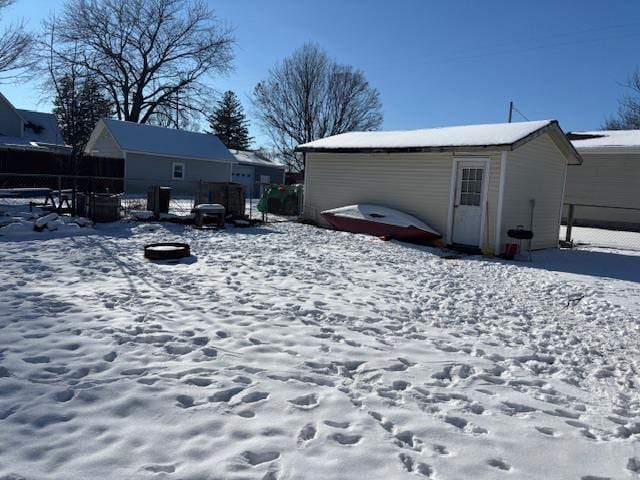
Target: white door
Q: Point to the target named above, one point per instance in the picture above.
(243, 174)
(468, 202)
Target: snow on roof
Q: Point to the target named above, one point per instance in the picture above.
(605, 139)
(41, 127)
(143, 138)
(459, 136)
(254, 158)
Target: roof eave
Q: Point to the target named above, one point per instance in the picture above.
(443, 149)
(614, 149)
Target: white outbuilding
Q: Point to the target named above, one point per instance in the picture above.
(472, 183)
(605, 190)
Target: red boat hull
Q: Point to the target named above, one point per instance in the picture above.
(368, 227)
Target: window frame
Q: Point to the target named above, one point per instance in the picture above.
(173, 170)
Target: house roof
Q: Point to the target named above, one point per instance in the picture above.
(495, 136)
(41, 127)
(255, 158)
(606, 140)
(143, 138)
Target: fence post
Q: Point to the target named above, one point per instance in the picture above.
(569, 223)
(59, 194)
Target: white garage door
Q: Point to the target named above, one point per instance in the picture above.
(243, 174)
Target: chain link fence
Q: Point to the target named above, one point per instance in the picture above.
(601, 226)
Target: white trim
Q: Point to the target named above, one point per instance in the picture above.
(564, 185)
(503, 180)
(124, 171)
(173, 170)
(453, 190)
(305, 169)
(452, 199)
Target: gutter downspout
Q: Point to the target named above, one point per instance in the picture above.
(503, 178)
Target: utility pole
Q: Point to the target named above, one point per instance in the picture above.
(178, 110)
(510, 111)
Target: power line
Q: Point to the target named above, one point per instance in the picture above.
(521, 114)
(513, 108)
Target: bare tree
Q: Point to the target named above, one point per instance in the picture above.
(628, 116)
(309, 96)
(145, 53)
(15, 47)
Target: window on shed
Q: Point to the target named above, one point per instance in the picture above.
(178, 171)
(471, 188)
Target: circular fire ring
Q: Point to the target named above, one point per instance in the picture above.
(166, 251)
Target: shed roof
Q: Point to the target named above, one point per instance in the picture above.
(255, 158)
(41, 127)
(493, 136)
(144, 138)
(606, 140)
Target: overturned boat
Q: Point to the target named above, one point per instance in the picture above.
(380, 221)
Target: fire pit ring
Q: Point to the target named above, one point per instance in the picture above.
(166, 251)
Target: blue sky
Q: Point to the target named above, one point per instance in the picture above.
(435, 63)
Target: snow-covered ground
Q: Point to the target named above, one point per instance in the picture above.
(286, 352)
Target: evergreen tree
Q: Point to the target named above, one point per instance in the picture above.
(78, 105)
(229, 122)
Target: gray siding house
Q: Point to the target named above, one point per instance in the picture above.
(606, 188)
(254, 168)
(27, 129)
(471, 183)
(162, 156)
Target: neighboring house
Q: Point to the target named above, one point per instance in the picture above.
(29, 130)
(253, 169)
(609, 177)
(472, 183)
(162, 156)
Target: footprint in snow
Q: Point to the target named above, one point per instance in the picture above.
(547, 431)
(185, 401)
(633, 465)
(307, 433)
(160, 468)
(110, 357)
(400, 385)
(64, 395)
(254, 397)
(200, 341)
(199, 381)
(209, 352)
(499, 464)
(256, 458)
(305, 402)
(406, 438)
(336, 424)
(345, 439)
(225, 395)
(37, 359)
(440, 449)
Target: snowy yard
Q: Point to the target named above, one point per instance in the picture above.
(288, 352)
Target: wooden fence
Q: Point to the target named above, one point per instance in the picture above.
(32, 168)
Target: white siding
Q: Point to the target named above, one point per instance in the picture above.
(534, 171)
(418, 184)
(105, 146)
(605, 179)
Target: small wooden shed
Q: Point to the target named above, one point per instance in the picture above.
(472, 183)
